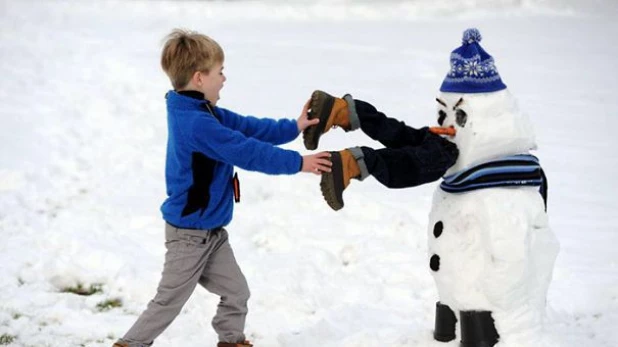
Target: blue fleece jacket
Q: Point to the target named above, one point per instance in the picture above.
(204, 144)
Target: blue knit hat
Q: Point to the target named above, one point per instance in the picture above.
(472, 69)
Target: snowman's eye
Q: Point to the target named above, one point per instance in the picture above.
(442, 116)
(461, 117)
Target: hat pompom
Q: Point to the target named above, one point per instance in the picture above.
(471, 35)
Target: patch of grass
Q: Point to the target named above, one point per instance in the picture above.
(17, 315)
(109, 304)
(6, 339)
(80, 289)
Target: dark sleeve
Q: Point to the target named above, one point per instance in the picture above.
(410, 166)
(435, 155)
(391, 132)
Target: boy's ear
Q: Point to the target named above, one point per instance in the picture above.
(197, 78)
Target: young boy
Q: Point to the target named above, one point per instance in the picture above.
(205, 142)
(412, 156)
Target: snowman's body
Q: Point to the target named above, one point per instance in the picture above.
(491, 249)
(496, 254)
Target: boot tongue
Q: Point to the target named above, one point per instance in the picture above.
(338, 115)
(350, 167)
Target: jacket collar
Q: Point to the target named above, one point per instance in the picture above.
(190, 100)
(187, 100)
(193, 94)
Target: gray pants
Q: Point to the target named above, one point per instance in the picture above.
(192, 257)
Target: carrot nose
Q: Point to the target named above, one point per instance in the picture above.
(449, 131)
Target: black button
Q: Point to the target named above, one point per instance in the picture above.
(437, 229)
(434, 263)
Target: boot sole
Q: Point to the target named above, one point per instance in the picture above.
(321, 106)
(331, 183)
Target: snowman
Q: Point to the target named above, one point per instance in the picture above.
(491, 250)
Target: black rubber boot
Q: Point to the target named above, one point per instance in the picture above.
(478, 329)
(445, 323)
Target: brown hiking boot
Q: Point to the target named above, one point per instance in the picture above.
(120, 344)
(238, 344)
(331, 111)
(345, 167)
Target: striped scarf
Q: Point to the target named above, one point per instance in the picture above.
(514, 170)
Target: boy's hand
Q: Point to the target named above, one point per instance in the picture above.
(303, 121)
(317, 163)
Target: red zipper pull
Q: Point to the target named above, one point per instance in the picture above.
(236, 184)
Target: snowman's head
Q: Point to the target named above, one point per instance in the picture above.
(488, 126)
(474, 100)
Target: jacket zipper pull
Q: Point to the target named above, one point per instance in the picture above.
(236, 184)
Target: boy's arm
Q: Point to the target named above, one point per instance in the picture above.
(269, 130)
(234, 147)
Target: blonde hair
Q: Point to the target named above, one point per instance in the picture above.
(186, 52)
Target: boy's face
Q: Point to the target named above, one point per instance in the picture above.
(211, 83)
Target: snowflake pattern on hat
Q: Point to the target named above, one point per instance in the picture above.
(472, 69)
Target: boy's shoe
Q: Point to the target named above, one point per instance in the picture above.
(238, 344)
(331, 111)
(120, 344)
(345, 167)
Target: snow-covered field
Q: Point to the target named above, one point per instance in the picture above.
(83, 136)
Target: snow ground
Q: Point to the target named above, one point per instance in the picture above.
(83, 137)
